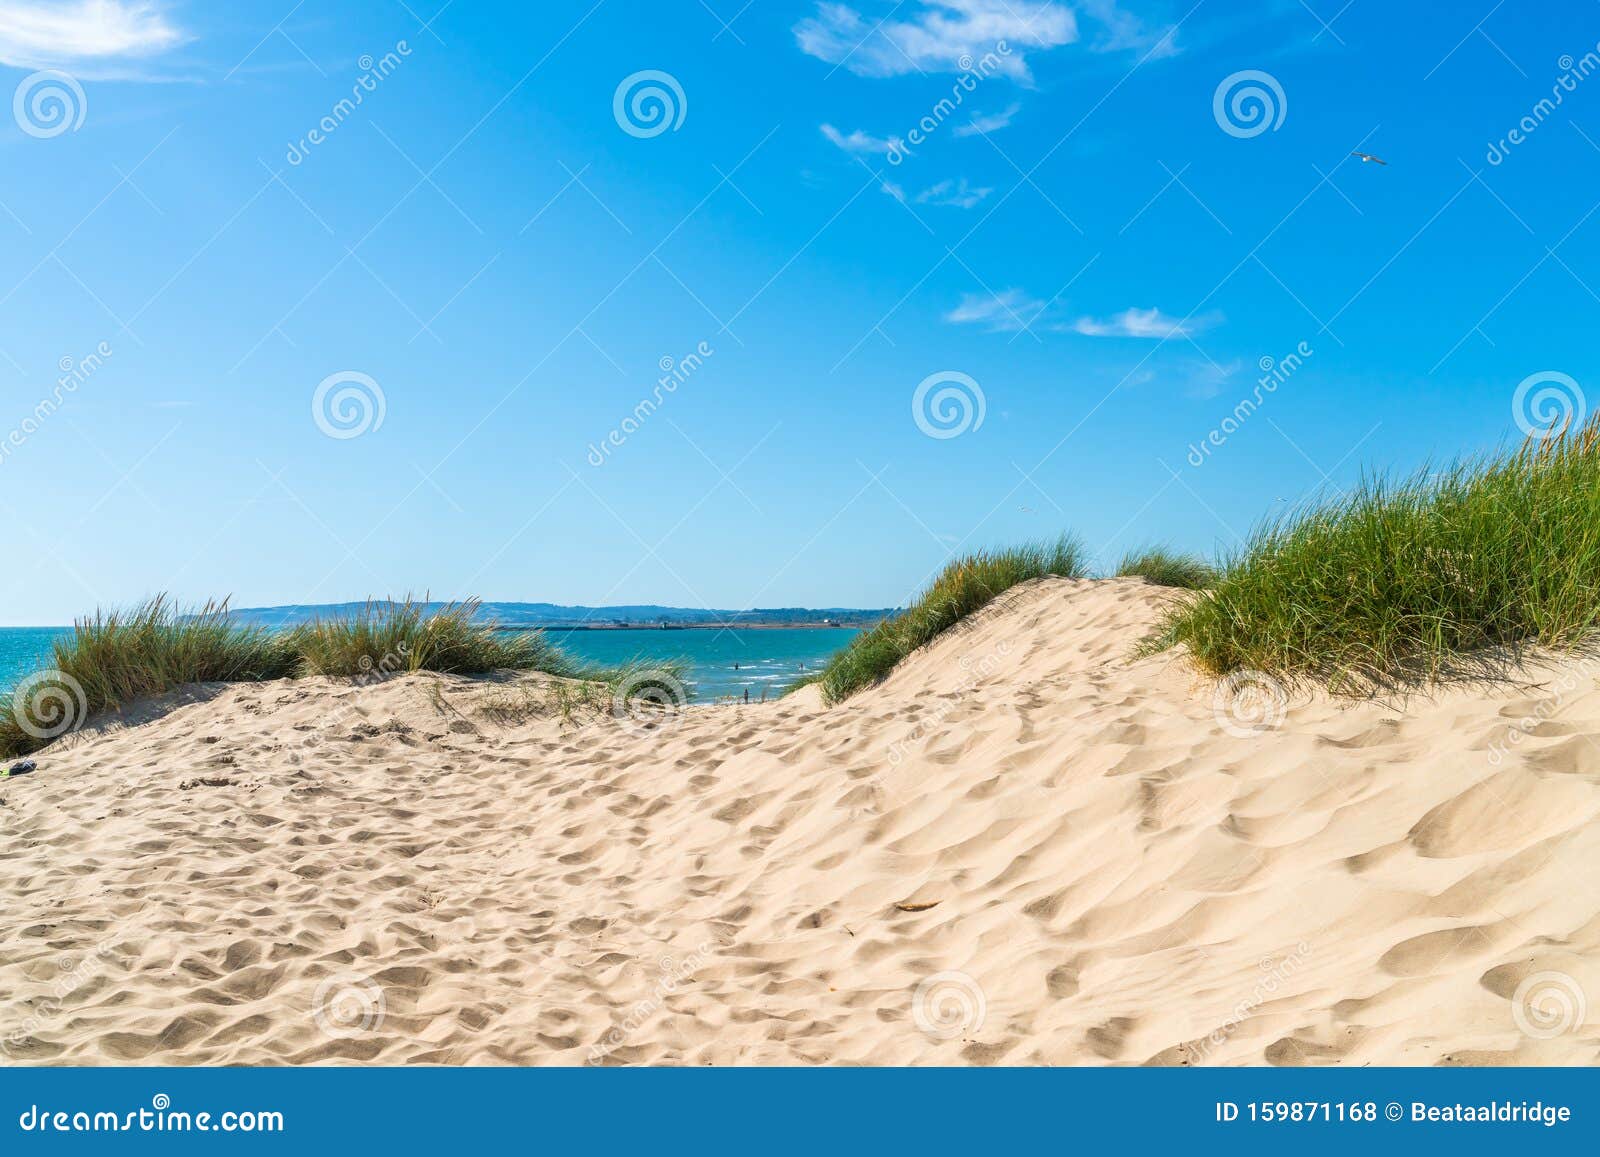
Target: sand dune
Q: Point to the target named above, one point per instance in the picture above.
(1024, 848)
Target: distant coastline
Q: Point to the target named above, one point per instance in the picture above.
(516, 616)
(818, 626)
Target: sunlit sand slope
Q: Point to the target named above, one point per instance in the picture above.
(1023, 848)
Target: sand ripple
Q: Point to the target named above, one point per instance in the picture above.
(1025, 848)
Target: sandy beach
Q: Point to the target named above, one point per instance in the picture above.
(1024, 848)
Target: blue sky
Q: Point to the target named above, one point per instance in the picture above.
(503, 248)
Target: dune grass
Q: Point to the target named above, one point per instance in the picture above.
(1168, 568)
(1404, 580)
(638, 688)
(397, 637)
(115, 657)
(963, 587)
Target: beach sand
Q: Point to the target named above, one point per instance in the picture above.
(1024, 848)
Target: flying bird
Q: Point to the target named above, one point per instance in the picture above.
(1365, 157)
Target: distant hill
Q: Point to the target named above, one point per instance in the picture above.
(555, 616)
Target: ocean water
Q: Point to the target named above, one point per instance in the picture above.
(22, 649)
(721, 664)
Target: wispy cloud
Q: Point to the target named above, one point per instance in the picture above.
(1206, 379)
(991, 123)
(936, 35)
(894, 190)
(1014, 309)
(1004, 312)
(1122, 31)
(956, 194)
(857, 141)
(83, 36)
(1142, 323)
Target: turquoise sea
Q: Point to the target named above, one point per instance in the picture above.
(22, 649)
(722, 664)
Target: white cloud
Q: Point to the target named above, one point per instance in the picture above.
(1122, 31)
(1142, 323)
(936, 35)
(955, 194)
(1005, 312)
(77, 32)
(991, 123)
(894, 190)
(858, 141)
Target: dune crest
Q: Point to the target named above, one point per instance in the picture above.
(1024, 847)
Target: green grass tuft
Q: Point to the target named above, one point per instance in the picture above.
(1168, 568)
(116, 657)
(963, 587)
(1402, 581)
(397, 637)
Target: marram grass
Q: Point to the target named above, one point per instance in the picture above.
(397, 637)
(1168, 568)
(115, 657)
(965, 586)
(1395, 581)
(1409, 580)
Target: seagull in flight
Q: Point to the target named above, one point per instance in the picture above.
(1365, 157)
